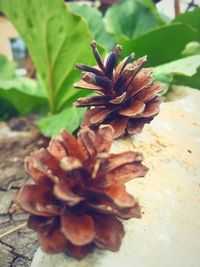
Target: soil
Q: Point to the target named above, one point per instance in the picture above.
(18, 138)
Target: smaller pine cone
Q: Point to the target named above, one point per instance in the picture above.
(128, 95)
(79, 195)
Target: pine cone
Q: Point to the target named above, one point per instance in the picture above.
(128, 96)
(79, 192)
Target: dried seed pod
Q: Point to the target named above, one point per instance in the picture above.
(79, 195)
(128, 95)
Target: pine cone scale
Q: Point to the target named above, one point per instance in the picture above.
(88, 115)
(93, 101)
(109, 232)
(151, 109)
(79, 252)
(46, 164)
(79, 230)
(135, 126)
(119, 125)
(37, 200)
(63, 192)
(121, 159)
(70, 144)
(55, 242)
(56, 149)
(101, 115)
(37, 175)
(122, 65)
(44, 225)
(140, 83)
(126, 173)
(135, 69)
(89, 86)
(133, 109)
(117, 193)
(104, 139)
(152, 91)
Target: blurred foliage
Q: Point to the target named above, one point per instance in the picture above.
(192, 48)
(191, 18)
(179, 72)
(51, 125)
(131, 19)
(58, 36)
(191, 81)
(7, 68)
(94, 18)
(20, 95)
(56, 39)
(7, 111)
(157, 45)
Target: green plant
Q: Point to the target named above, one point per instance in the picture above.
(148, 33)
(22, 95)
(56, 39)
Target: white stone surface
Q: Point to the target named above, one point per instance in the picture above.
(169, 232)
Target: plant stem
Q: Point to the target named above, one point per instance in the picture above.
(18, 227)
(51, 96)
(177, 7)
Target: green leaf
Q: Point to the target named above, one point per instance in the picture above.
(186, 66)
(193, 81)
(67, 119)
(7, 111)
(18, 95)
(192, 18)
(7, 68)
(192, 48)
(24, 94)
(161, 45)
(132, 18)
(94, 19)
(165, 78)
(55, 38)
(181, 72)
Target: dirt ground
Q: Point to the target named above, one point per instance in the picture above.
(18, 138)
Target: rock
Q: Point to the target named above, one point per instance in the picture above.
(6, 255)
(169, 232)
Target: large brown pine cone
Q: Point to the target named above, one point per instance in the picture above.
(128, 95)
(79, 192)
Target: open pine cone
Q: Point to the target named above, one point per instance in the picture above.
(128, 96)
(79, 192)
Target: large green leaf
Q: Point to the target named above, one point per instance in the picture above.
(193, 81)
(182, 72)
(160, 45)
(18, 94)
(55, 38)
(192, 18)
(186, 66)
(7, 68)
(67, 119)
(24, 94)
(7, 110)
(192, 48)
(132, 18)
(95, 23)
